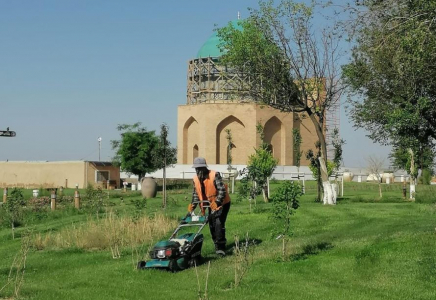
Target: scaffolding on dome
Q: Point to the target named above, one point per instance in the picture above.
(209, 82)
(333, 120)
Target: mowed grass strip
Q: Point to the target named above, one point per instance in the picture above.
(355, 250)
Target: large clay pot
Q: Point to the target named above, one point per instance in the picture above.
(148, 187)
(348, 176)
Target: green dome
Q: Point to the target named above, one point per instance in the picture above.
(210, 47)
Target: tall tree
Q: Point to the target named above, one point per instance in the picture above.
(135, 151)
(286, 61)
(392, 75)
(163, 156)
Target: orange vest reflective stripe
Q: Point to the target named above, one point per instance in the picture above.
(210, 189)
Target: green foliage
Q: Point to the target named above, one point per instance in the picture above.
(230, 146)
(285, 202)
(140, 205)
(278, 50)
(136, 151)
(261, 165)
(296, 143)
(331, 166)
(357, 240)
(424, 158)
(290, 62)
(12, 210)
(251, 52)
(247, 189)
(315, 166)
(426, 177)
(392, 75)
(337, 145)
(95, 198)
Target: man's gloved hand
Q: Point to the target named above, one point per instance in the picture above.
(190, 207)
(214, 206)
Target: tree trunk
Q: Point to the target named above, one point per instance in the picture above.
(164, 188)
(412, 189)
(319, 133)
(323, 163)
(164, 181)
(265, 194)
(329, 196)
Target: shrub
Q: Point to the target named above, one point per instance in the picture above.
(285, 202)
(12, 211)
(94, 199)
(425, 177)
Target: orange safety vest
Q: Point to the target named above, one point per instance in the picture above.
(210, 189)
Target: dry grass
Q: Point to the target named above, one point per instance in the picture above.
(111, 232)
(18, 267)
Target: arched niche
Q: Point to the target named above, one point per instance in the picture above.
(190, 139)
(274, 136)
(239, 137)
(195, 152)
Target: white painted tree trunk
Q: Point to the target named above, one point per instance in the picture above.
(329, 195)
(412, 190)
(335, 191)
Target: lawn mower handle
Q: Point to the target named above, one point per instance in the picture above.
(205, 204)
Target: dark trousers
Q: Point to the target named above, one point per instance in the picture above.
(217, 226)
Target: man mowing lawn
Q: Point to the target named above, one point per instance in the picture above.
(208, 185)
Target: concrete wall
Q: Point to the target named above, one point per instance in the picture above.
(42, 174)
(201, 132)
(34, 174)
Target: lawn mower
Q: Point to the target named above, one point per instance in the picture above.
(183, 251)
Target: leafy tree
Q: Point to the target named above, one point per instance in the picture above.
(424, 158)
(136, 151)
(285, 61)
(285, 202)
(260, 167)
(392, 75)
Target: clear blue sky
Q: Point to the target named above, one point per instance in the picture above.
(70, 71)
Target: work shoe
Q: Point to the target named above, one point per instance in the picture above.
(220, 253)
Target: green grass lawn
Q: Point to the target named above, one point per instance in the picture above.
(362, 248)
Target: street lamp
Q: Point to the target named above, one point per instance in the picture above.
(99, 147)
